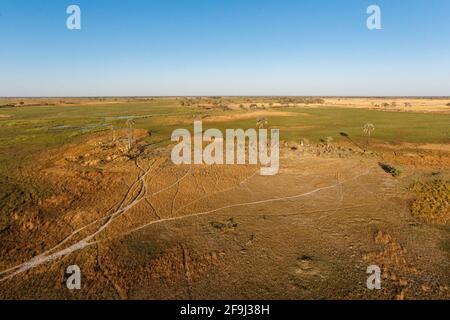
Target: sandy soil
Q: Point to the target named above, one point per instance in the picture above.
(141, 228)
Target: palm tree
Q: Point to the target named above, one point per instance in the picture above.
(368, 129)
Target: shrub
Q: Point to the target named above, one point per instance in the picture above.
(395, 172)
(432, 203)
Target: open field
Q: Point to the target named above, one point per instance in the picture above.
(142, 228)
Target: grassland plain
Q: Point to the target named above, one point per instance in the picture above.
(69, 140)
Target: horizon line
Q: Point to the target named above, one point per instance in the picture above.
(226, 96)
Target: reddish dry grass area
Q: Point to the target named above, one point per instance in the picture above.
(158, 231)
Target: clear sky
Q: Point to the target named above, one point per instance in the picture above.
(224, 47)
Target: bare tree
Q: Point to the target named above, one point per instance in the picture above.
(130, 130)
(261, 122)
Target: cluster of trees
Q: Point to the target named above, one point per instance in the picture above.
(205, 103)
(303, 100)
(253, 106)
(8, 105)
(392, 105)
(22, 103)
(248, 103)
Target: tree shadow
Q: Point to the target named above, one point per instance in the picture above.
(346, 135)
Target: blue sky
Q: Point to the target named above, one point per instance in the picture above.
(224, 47)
